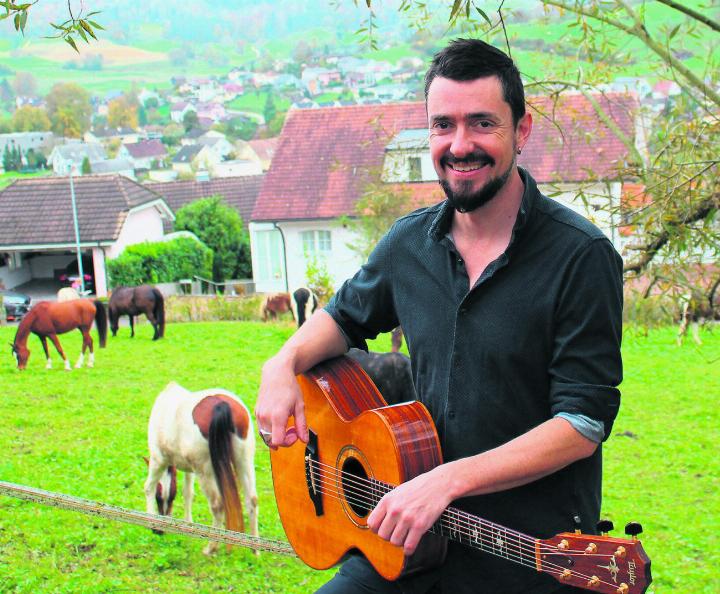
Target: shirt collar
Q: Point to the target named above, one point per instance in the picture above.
(440, 226)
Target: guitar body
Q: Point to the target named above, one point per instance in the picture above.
(324, 490)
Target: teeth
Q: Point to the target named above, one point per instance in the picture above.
(465, 168)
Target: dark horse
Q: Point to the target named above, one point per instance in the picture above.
(48, 319)
(133, 301)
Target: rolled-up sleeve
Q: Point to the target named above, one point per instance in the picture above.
(586, 366)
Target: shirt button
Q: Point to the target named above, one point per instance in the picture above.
(451, 414)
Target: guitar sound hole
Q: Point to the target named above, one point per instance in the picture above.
(355, 487)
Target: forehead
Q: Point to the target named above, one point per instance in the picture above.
(454, 98)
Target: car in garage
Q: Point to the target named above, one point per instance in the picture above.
(16, 304)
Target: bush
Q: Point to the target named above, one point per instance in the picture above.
(186, 308)
(161, 262)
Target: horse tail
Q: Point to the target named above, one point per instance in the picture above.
(101, 322)
(159, 311)
(220, 437)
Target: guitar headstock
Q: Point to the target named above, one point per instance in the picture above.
(597, 563)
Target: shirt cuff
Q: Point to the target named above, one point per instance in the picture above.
(589, 428)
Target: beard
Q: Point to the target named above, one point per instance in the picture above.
(465, 199)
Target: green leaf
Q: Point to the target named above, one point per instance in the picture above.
(455, 9)
(96, 25)
(81, 33)
(23, 21)
(483, 15)
(674, 31)
(17, 21)
(87, 28)
(71, 41)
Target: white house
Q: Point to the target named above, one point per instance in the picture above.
(38, 240)
(326, 158)
(73, 154)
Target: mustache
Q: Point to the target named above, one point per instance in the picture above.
(475, 157)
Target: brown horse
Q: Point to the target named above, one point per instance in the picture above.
(133, 301)
(48, 319)
(275, 304)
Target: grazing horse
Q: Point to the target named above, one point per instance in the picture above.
(304, 303)
(48, 319)
(390, 372)
(274, 304)
(67, 294)
(133, 301)
(209, 433)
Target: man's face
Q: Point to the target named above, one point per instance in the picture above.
(473, 141)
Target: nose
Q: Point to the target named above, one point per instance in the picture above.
(462, 144)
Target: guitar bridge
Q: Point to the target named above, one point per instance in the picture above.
(312, 473)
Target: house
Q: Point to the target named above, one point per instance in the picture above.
(326, 157)
(38, 142)
(120, 166)
(183, 160)
(105, 135)
(179, 109)
(264, 150)
(38, 235)
(146, 154)
(72, 154)
(238, 192)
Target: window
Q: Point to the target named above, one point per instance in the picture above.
(415, 169)
(269, 255)
(316, 242)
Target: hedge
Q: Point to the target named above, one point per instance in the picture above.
(161, 262)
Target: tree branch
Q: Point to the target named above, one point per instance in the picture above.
(701, 18)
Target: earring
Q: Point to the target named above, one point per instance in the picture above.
(519, 151)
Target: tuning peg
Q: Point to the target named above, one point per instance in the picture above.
(578, 524)
(605, 526)
(633, 529)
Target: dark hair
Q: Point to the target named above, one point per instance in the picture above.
(469, 59)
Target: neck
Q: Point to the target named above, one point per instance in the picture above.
(494, 217)
(23, 329)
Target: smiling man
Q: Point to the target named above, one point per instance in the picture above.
(511, 305)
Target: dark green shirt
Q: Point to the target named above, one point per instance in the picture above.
(539, 334)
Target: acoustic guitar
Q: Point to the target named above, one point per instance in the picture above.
(359, 448)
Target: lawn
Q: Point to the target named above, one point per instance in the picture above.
(84, 433)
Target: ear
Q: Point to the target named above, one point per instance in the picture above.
(523, 129)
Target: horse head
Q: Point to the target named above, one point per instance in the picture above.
(165, 492)
(21, 354)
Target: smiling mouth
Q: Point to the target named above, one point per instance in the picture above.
(466, 167)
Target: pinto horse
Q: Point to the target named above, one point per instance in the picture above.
(133, 301)
(304, 303)
(209, 433)
(48, 319)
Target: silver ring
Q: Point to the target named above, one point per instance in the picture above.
(266, 436)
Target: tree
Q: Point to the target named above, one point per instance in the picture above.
(25, 85)
(30, 119)
(122, 113)
(69, 109)
(269, 111)
(190, 120)
(85, 168)
(220, 227)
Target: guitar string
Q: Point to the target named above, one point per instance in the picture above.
(527, 559)
(548, 567)
(376, 486)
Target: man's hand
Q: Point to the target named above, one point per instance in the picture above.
(280, 398)
(405, 514)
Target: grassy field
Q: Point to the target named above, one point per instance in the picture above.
(84, 432)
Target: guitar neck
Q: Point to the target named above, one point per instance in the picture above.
(476, 532)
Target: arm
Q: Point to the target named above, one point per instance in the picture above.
(279, 396)
(409, 510)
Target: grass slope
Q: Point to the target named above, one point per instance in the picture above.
(84, 432)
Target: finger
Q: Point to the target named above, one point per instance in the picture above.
(376, 517)
(300, 422)
(399, 535)
(291, 437)
(412, 539)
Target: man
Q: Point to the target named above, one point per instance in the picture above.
(511, 308)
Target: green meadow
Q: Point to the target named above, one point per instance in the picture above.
(84, 433)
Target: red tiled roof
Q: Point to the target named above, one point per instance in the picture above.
(264, 147)
(146, 148)
(323, 155)
(318, 167)
(38, 210)
(238, 192)
(570, 143)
